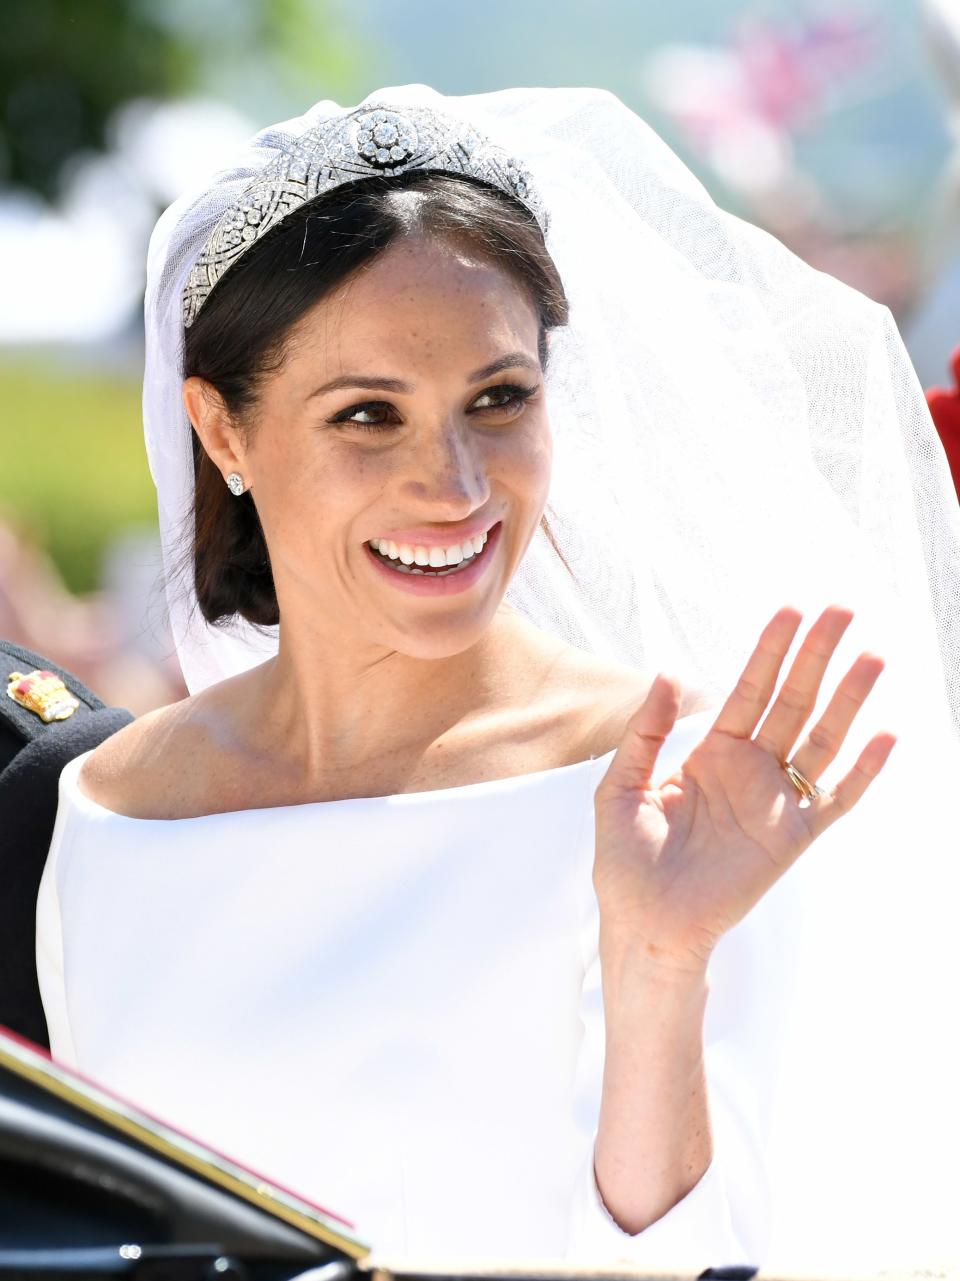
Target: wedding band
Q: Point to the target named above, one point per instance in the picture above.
(803, 785)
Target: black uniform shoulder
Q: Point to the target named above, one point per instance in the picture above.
(33, 752)
(31, 694)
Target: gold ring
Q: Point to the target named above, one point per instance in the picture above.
(803, 785)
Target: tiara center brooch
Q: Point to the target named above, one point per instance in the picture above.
(386, 138)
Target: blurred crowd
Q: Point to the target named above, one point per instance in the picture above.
(114, 640)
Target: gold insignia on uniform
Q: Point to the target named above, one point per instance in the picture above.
(44, 693)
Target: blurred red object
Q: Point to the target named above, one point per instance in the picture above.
(945, 411)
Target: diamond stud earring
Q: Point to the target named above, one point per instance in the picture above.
(235, 484)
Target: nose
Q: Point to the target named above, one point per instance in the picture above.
(447, 473)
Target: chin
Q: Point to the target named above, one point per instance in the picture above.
(443, 638)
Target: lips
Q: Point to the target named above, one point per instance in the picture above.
(437, 581)
(428, 538)
(407, 558)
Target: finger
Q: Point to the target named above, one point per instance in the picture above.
(798, 693)
(842, 798)
(758, 680)
(826, 738)
(636, 757)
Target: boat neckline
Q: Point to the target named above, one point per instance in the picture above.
(508, 783)
(69, 782)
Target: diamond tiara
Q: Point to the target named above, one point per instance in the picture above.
(366, 141)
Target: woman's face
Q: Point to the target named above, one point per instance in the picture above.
(407, 424)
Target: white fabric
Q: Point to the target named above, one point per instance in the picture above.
(392, 1005)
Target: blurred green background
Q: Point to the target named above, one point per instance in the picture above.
(75, 473)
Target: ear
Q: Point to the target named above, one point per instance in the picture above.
(216, 429)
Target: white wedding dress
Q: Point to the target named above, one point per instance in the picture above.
(392, 1006)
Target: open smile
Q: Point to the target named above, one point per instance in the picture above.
(438, 579)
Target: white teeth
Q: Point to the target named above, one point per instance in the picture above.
(434, 557)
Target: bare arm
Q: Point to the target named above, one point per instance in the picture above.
(653, 1141)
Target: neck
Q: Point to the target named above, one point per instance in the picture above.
(333, 708)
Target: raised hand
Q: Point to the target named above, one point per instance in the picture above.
(678, 865)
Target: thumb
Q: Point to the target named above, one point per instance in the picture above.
(635, 759)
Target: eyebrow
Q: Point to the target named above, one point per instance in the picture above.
(372, 382)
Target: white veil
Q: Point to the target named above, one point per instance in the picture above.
(733, 431)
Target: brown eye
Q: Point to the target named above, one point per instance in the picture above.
(348, 416)
(515, 396)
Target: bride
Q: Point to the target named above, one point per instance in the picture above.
(459, 895)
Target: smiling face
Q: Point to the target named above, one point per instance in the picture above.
(400, 457)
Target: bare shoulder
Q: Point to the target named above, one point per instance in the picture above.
(149, 767)
(607, 693)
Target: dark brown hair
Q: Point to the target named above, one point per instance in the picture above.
(239, 337)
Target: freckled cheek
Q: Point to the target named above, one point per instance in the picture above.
(523, 465)
(308, 505)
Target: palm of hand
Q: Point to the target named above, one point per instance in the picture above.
(678, 865)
